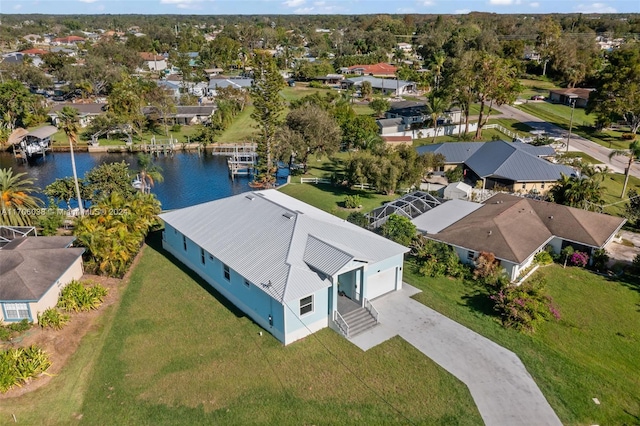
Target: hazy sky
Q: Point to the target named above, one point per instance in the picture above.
(249, 7)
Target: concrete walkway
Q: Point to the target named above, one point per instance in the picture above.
(500, 385)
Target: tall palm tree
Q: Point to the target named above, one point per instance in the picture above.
(634, 155)
(437, 67)
(436, 105)
(69, 124)
(149, 173)
(16, 202)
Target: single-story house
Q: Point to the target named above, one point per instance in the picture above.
(67, 40)
(568, 96)
(185, 115)
(171, 87)
(395, 141)
(222, 83)
(86, 112)
(413, 112)
(292, 268)
(330, 79)
(34, 271)
(376, 70)
(391, 125)
(512, 166)
(515, 229)
(405, 47)
(393, 87)
(153, 62)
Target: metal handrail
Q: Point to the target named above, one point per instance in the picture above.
(369, 307)
(342, 324)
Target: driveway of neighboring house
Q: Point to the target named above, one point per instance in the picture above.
(625, 250)
(500, 385)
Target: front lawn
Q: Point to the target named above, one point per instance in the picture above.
(176, 352)
(592, 352)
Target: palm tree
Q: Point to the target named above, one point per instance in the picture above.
(634, 155)
(69, 124)
(437, 105)
(437, 66)
(149, 173)
(16, 203)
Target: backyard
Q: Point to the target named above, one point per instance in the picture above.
(175, 351)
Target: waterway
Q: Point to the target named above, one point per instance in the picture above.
(189, 178)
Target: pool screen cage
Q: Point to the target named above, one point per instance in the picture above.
(410, 206)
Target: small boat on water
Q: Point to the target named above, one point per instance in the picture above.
(137, 183)
(34, 143)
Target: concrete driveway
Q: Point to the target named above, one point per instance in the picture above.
(500, 385)
(619, 252)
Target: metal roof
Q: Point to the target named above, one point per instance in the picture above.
(454, 152)
(444, 215)
(380, 83)
(389, 122)
(265, 237)
(43, 132)
(219, 83)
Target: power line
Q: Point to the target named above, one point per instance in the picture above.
(346, 367)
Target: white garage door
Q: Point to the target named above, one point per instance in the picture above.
(381, 283)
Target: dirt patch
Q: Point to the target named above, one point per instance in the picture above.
(61, 344)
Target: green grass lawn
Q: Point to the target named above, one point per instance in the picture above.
(591, 352)
(242, 129)
(613, 189)
(536, 87)
(175, 352)
(183, 136)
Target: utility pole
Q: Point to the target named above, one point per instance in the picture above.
(573, 107)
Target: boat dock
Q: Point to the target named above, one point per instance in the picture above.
(160, 146)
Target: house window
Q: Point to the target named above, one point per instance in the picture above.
(542, 185)
(471, 255)
(202, 255)
(227, 272)
(247, 283)
(184, 242)
(306, 305)
(16, 311)
(524, 186)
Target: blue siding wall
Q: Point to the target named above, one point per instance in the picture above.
(297, 325)
(253, 301)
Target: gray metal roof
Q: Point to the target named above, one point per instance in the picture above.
(264, 236)
(444, 215)
(380, 83)
(454, 152)
(511, 161)
(538, 151)
(238, 83)
(389, 122)
(43, 132)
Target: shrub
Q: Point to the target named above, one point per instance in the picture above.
(357, 218)
(352, 201)
(628, 136)
(579, 258)
(316, 85)
(600, 258)
(53, 318)
(9, 331)
(18, 365)
(543, 258)
(636, 263)
(78, 296)
(435, 259)
(176, 128)
(454, 175)
(399, 229)
(524, 307)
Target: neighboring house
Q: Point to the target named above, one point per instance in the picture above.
(35, 55)
(67, 40)
(34, 270)
(291, 267)
(376, 70)
(235, 82)
(12, 58)
(391, 125)
(392, 87)
(515, 229)
(413, 113)
(86, 112)
(511, 166)
(395, 141)
(405, 47)
(330, 79)
(153, 62)
(185, 115)
(569, 96)
(171, 87)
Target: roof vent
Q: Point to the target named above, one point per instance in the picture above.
(288, 215)
(550, 217)
(250, 197)
(490, 231)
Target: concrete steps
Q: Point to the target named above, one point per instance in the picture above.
(359, 320)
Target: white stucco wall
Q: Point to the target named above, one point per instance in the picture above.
(50, 298)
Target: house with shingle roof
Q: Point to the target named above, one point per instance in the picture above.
(512, 166)
(33, 272)
(515, 229)
(292, 268)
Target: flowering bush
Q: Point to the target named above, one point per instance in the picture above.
(579, 258)
(524, 307)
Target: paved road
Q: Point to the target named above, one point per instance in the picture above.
(577, 143)
(500, 385)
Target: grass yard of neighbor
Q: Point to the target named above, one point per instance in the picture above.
(591, 352)
(176, 352)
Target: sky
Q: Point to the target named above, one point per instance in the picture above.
(350, 7)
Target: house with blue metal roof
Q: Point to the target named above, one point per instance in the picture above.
(510, 166)
(292, 268)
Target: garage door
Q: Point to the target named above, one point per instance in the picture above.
(381, 283)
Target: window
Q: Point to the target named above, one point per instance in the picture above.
(306, 305)
(227, 272)
(184, 242)
(471, 255)
(542, 185)
(524, 186)
(202, 255)
(247, 283)
(16, 311)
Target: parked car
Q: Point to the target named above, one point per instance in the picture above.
(537, 98)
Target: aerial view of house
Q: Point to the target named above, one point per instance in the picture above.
(290, 266)
(514, 229)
